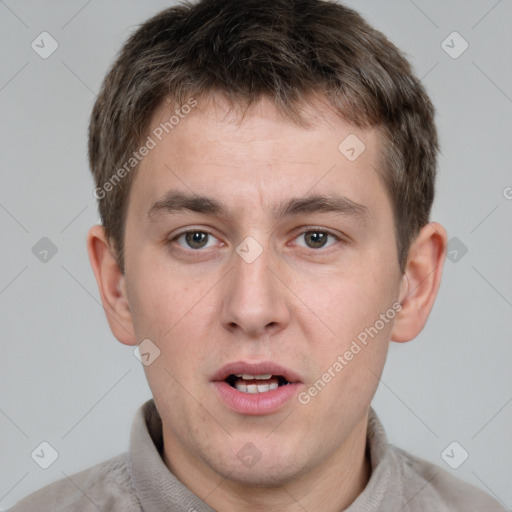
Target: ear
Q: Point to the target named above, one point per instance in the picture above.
(111, 284)
(420, 282)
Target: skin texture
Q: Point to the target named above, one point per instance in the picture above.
(298, 304)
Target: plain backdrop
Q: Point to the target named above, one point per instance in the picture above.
(65, 379)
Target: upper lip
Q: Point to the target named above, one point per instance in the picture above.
(260, 368)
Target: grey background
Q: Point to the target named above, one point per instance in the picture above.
(64, 378)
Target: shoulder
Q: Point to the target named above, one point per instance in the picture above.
(426, 485)
(105, 486)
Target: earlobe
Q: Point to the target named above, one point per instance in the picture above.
(420, 282)
(111, 285)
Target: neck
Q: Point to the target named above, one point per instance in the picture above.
(331, 486)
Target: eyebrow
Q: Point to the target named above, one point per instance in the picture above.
(175, 202)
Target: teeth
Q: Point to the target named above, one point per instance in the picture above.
(246, 376)
(266, 376)
(241, 387)
(244, 382)
(255, 388)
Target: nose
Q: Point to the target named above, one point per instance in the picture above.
(255, 300)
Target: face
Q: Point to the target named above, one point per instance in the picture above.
(257, 253)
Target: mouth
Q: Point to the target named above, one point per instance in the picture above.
(252, 384)
(255, 388)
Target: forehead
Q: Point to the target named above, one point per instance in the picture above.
(257, 157)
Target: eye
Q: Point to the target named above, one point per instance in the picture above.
(198, 239)
(316, 238)
(195, 239)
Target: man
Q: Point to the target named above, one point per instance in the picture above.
(265, 172)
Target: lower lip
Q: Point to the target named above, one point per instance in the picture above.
(255, 403)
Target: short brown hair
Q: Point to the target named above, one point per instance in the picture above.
(285, 50)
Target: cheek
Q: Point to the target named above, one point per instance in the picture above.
(340, 306)
(349, 362)
(160, 299)
(351, 341)
(166, 310)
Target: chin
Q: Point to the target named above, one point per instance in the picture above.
(264, 476)
(268, 469)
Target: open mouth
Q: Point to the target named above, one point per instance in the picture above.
(255, 388)
(255, 383)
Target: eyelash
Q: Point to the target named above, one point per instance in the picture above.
(302, 233)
